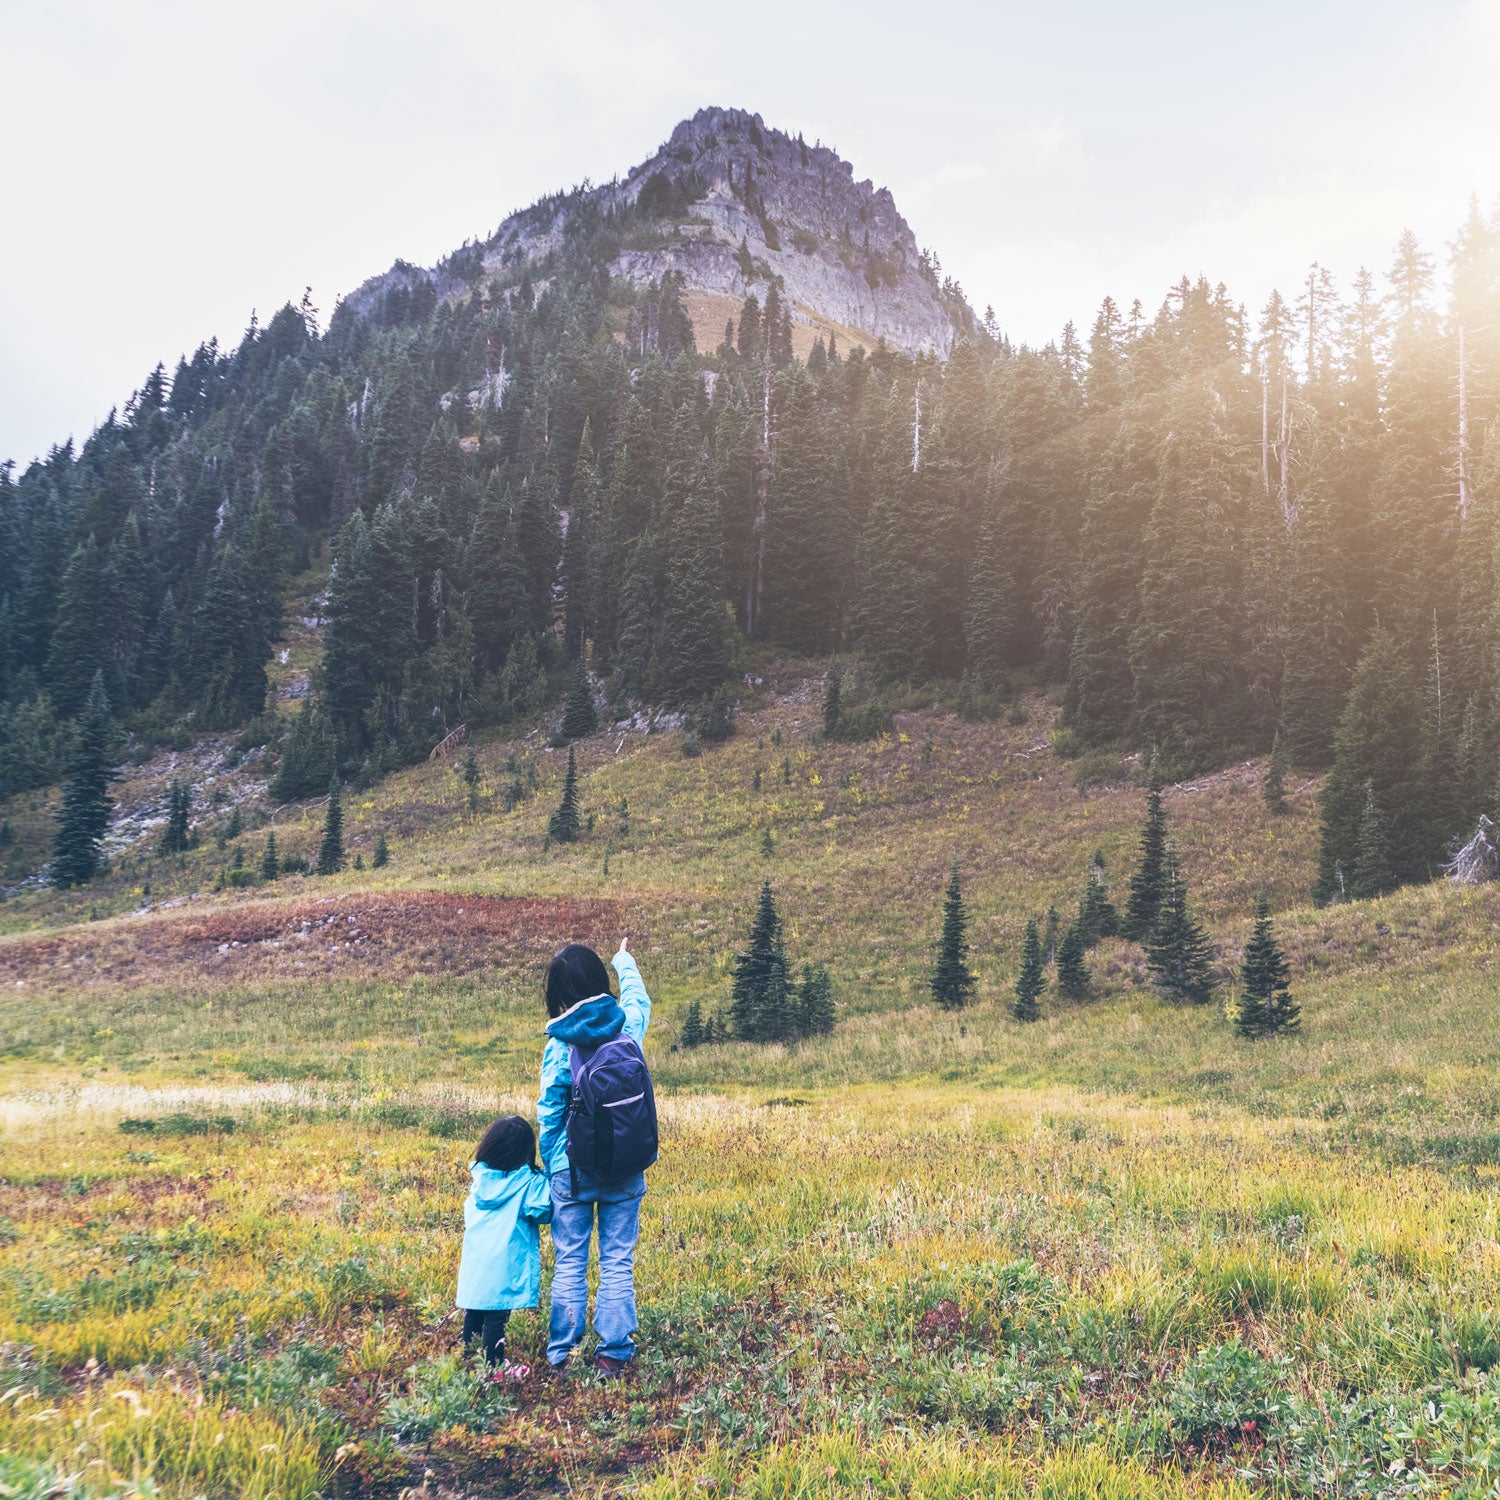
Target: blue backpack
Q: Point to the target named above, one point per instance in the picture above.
(611, 1112)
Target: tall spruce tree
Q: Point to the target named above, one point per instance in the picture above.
(566, 822)
(579, 717)
(833, 702)
(1373, 873)
(1378, 750)
(757, 1006)
(176, 836)
(1266, 1007)
(78, 652)
(1032, 979)
(1183, 649)
(1097, 917)
(86, 802)
(270, 863)
(1072, 964)
(1273, 788)
(696, 647)
(990, 610)
(331, 849)
(952, 981)
(1177, 952)
(691, 1034)
(1148, 885)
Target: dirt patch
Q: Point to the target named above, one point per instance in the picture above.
(395, 934)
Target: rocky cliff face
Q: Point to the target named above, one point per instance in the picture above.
(731, 204)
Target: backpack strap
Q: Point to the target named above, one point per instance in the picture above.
(578, 1060)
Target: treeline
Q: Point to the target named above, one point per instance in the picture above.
(1212, 529)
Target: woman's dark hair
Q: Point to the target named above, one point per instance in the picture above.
(575, 973)
(509, 1143)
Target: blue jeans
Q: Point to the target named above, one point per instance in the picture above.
(618, 1205)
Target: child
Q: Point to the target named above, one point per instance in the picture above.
(501, 1265)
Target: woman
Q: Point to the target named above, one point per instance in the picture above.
(584, 1014)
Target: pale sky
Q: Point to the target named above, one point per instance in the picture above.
(166, 167)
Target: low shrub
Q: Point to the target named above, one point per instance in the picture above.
(1223, 1394)
(442, 1394)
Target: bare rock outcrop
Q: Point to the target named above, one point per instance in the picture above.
(732, 204)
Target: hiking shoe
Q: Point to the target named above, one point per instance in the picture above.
(609, 1367)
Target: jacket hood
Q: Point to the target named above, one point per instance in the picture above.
(492, 1188)
(589, 1022)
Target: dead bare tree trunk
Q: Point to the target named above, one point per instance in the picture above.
(762, 502)
(1283, 453)
(1265, 431)
(1463, 426)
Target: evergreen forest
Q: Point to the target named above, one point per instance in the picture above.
(1211, 528)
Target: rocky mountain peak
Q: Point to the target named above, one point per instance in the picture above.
(733, 205)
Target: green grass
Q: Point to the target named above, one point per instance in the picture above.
(1119, 1252)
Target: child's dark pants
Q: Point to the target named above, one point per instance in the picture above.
(487, 1329)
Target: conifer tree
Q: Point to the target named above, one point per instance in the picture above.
(892, 608)
(1378, 749)
(382, 855)
(816, 1009)
(1032, 979)
(78, 648)
(990, 610)
(1273, 788)
(833, 705)
(176, 837)
(331, 850)
(1072, 964)
(157, 664)
(1372, 874)
(306, 757)
(1183, 650)
(1266, 1006)
(1097, 917)
(777, 1021)
(758, 997)
(270, 864)
(565, 824)
(579, 717)
(952, 981)
(696, 647)
(692, 1025)
(471, 778)
(1177, 953)
(86, 802)
(801, 586)
(1148, 884)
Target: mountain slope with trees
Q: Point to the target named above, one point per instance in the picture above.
(1206, 530)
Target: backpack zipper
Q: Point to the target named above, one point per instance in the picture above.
(621, 1103)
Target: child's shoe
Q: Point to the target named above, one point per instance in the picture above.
(609, 1367)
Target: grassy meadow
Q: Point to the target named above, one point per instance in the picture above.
(1116, 1253)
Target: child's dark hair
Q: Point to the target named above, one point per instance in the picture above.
(509, 1143)
(575, 973)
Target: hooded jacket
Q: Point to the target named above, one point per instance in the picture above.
(585, 1024)
(501, 1263)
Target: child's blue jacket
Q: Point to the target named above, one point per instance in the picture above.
(501, 1264)
(585, 1024)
